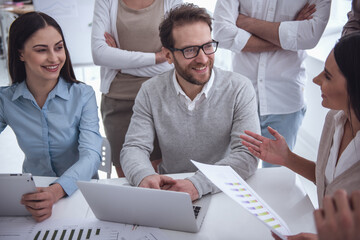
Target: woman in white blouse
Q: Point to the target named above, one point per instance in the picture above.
(338, 162)
(126, 44)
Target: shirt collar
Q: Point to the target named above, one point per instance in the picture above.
(205, 90)
(61, 90)
(340, 118)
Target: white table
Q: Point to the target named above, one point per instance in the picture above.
(225, 219)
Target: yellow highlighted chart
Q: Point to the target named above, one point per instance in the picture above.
(225, 178)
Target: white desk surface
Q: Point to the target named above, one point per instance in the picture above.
(225, 219)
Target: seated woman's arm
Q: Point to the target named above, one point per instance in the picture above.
(277, 152)
(40, 203)
(89, 144)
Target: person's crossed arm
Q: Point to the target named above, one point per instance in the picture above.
(265, 35)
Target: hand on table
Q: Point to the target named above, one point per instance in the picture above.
(272, 151)
(40, 203)
(185, 185)
(157, 181)
(167, 183)
(340, 217)
(306, 12)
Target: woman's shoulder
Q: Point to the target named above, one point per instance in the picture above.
(7, 91)
(78, 90)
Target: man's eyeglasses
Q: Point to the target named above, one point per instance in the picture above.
(193, 51)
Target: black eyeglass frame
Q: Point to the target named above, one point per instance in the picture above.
(199, 47)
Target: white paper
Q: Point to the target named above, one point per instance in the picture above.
(93, 229)
(25, 228)
(226, 179)
(16, 228)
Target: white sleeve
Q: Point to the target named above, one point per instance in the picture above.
(106, 56)
(225, 30)
(149, 71)
(301, 35)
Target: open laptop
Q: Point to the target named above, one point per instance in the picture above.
(144, 206)
(12, 187)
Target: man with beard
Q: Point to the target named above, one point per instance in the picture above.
(197, 111)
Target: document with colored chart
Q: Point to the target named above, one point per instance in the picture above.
(226, 179)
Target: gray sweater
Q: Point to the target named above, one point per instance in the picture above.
(208, 134)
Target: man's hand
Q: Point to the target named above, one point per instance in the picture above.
(157, 181)
(185, 185)
(306, 12)
(340, 217)
(40, 203)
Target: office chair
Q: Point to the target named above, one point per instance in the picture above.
(105, 164)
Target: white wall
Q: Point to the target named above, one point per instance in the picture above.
(75, 18)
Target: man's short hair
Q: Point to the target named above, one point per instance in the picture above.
(183, 14)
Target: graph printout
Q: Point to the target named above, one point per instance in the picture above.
(19, 228)
(226, 179)
(93, 229)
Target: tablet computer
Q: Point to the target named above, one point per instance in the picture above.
(12, 187)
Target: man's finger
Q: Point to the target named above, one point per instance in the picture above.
(341, 201)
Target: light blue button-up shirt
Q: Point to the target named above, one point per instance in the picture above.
(62, 138)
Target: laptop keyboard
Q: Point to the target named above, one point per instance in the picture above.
(196, 210)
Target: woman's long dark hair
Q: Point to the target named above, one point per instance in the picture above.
(20, 31)
(347, 57)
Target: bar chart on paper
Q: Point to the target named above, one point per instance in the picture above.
(92, 229)
(74, 229)
(225, 178)
(75, 233)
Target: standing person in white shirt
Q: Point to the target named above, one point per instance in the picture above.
(268, 39)
(125, 43)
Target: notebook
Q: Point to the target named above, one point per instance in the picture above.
(12, 187)
(144, 206)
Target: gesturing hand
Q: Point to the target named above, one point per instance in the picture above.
(272, 151)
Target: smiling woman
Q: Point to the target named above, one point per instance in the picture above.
(44, 56)
(53, 116)
(338, 162)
